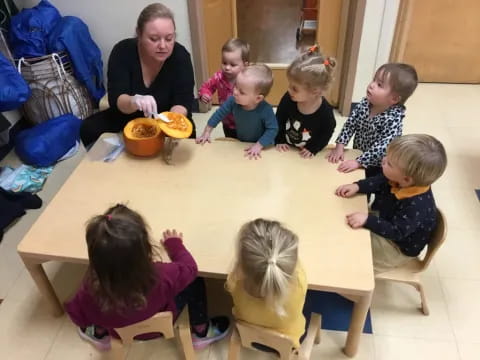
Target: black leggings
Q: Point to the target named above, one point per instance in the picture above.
(195, 296)
(107, 121)
(229, 133)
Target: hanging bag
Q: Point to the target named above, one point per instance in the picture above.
(14, 91)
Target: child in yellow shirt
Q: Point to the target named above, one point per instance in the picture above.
(268, 284)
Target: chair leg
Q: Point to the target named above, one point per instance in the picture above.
(317, 336)
(425, 309)
(234, 346)
(118, 351)
(184, 340)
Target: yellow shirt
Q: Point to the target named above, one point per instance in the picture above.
(256, 311)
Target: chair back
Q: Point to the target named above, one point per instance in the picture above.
(438, 237)
(251, 334)
(161, 322)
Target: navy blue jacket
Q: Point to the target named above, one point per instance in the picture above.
(407, 222)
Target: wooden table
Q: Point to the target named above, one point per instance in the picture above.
(208, 193)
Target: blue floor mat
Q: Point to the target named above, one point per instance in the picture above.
(336, 311)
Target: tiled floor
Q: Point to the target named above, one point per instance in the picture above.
(269, 41)
(450, 112)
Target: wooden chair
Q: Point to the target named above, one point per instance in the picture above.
(410, 272)
(246, 334)
(162, 323)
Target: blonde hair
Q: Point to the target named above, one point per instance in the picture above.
(312, 69)
(151, 12)
(420, 156)
(236, 44)
(267, 258)
(262, 77)
(402, 78)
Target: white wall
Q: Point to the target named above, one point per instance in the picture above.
(110, 21)
(376, 41)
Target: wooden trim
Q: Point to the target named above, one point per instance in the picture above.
(234, 18)
(402, 28)
(356, 12)
(199, 46)
(340, 54)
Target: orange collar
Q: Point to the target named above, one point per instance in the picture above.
(404, 193)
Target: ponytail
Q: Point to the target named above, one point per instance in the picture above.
(312, 69)
(268, 255)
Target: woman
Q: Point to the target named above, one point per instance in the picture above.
(147, 74)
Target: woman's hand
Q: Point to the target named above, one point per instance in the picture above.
(145, 103)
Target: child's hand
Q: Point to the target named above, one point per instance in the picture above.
(205, 137)
(336, 155)
(205, 98)
(347, 190)
(349, 166)
(304, 153)
(357, 220)
(167, 234)
(253, 152)
(282, 147)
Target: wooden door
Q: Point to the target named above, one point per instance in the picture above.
(220, 25)
(440, 38)
(331, 19)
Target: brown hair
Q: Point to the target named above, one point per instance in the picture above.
(121, 270)
(267, 258)
(402, 78)
(420, 156)
(312, 69)
(262, 77)
(235, 44)
(151, 12)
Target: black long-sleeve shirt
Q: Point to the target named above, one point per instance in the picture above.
(408, 222)
(312, 131)
(172, 86)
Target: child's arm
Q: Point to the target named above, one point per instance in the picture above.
(183, 268)
(322, 134)
(222, 111)
(208, 88)
(282, 117)
(347, 132)
(403, 223)
(268, 137)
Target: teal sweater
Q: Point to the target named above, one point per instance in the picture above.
(257, 125)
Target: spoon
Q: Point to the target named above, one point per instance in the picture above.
(161, 117)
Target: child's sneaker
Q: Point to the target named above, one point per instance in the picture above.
(101, 343)
(218, 328)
